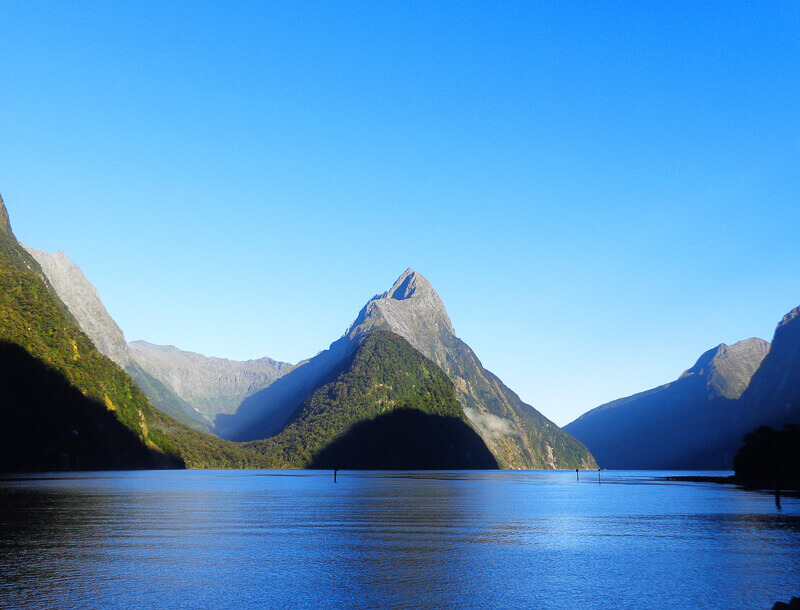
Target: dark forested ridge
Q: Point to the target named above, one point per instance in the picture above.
(384, 375)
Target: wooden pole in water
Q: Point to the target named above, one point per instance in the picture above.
(598, 476)
(577, 475)
(335, 470)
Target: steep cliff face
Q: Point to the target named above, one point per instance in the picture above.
(191, 388)
(695, 422)
(517, 434)
(83, 301)
(773, 396)
(63, 404)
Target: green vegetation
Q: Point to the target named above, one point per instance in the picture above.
(78, 409)
(47, 424)
(384, 374)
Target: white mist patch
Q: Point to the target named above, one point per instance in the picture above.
(491, 426)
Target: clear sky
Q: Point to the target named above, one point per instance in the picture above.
(598, 191)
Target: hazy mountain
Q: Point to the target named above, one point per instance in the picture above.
(388, 407)
(518, 435)
(83, 302)
(213, 386)
(193, 389)
(695, 422)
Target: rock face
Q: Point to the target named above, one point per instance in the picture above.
(81, 297)
(517, 434)
(695, 422)
(64, 405)
(213, 386)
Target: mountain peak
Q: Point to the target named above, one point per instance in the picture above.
(728, 368)
(412, 307)
(408, 285)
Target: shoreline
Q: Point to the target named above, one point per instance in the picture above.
(791, 490)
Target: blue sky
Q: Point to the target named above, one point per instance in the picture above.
(599, 192)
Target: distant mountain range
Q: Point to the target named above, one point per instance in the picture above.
(265, 399)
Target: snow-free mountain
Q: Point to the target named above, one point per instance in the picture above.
(773, 396)
(691, 423)
(64, 405)
(83, 302)
(699, 421)
(517, 434)
(213, 386)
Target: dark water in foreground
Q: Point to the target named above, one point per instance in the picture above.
(452, 539)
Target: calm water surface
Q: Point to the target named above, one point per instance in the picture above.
(435, 539)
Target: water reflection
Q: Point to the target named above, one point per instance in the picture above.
(502, 539)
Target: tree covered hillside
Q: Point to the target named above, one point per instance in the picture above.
(384, 375)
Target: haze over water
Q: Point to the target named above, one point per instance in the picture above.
(452, 539)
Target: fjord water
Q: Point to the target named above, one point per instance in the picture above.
(388, 539)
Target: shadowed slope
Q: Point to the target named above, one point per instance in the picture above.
(406, 439)
(46, 424)
(773, 396)
(34, 319)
